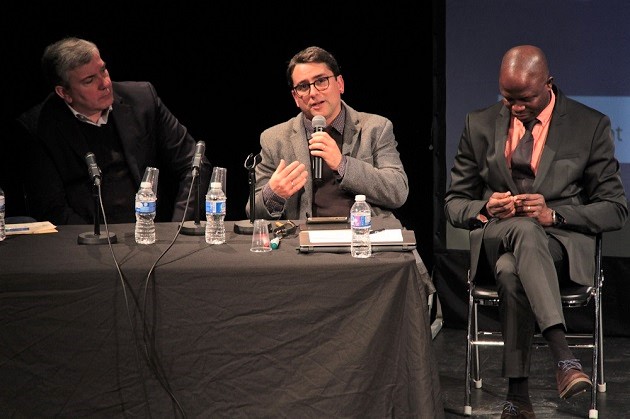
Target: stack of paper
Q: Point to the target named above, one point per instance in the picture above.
(40, 227)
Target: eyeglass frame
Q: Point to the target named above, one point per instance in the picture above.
(319, 79)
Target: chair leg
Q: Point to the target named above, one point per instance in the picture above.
(476, 366)
(469, 349)
(601, 383)
(593, 413)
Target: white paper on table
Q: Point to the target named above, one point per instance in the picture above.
(38, 227)
(392, 235)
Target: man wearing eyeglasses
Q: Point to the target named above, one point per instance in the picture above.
(358, 151)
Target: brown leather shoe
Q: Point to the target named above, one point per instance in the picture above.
(571, 379)
(517, 410)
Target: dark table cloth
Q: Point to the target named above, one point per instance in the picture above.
(215, 331)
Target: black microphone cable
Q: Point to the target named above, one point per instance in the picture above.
(124, 281)
(149, 342)
(150, 354)
(148, 339)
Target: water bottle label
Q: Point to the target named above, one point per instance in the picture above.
(361, 221)
(145, 207)
(217, 207)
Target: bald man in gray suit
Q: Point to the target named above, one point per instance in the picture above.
(534, 237)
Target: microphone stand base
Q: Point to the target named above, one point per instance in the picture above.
(191, 228)
(246, 227)
(91, 238)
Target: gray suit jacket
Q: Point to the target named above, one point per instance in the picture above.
(578, 175)
(373, 164)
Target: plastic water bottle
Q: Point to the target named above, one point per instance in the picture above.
(215, 214)
(3, 233)
(361, 223)
(145, 214)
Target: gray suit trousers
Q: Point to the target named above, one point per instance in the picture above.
(524, 260)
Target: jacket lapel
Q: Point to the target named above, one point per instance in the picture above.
(552, 143)
(351, 131)
(500, 138)
(66, 127)
(122, 116)
(299, 143)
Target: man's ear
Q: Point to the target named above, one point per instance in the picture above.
(295, 98)
(341, 83)
(61, 92)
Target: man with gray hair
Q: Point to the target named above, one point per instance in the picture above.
(125, 125)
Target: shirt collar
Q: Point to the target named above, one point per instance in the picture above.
(101, 121)
(545, 115)
(338, 123)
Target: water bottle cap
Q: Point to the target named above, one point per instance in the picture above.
(359, 198)
(145, 185)
(216, 185)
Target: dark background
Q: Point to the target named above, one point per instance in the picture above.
(221, 71)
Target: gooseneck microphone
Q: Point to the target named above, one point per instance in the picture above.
(196, 227)
(319, 123)
(93, 170)
(200, 150)
(95, 237)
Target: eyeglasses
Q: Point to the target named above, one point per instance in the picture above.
(320, 84)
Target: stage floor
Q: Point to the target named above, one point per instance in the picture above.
(450, 349)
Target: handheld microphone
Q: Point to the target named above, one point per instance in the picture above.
(94, 171)
(200, 150)
(319, 123)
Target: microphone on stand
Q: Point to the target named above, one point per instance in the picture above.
(247, 226)
(319, 123)
(197, 227)
(200, 150)
(95, 172)
(95, 237)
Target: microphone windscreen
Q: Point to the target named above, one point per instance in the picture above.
(93, 169)
(319, 122)
(200, 150)
(90, 160)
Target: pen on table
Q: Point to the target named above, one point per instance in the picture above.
(377, 231)
(11, 230)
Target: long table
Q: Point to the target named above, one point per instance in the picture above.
(213, 331)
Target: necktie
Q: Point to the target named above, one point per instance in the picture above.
(522, 172)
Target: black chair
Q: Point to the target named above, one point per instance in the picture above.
(578, 296)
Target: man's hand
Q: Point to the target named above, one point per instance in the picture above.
(501, 205)
(533, 206)
(323, 145)
(288, 179)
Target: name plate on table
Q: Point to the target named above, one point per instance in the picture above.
(338, 241)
